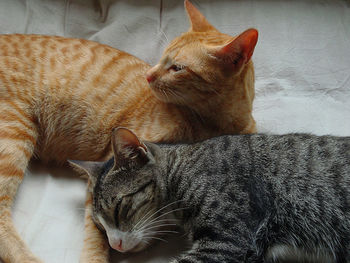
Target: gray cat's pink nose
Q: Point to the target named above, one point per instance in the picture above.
(118, 245)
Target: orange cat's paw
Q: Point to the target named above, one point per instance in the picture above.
(31, 260)
(96, 260)
(99, 257)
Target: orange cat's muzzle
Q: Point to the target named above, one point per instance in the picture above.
(150, 77)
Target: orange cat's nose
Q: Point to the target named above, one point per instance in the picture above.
(150, 77)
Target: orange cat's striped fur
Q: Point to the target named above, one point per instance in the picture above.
(60, 98)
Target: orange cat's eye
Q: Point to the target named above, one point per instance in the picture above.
(176, 68)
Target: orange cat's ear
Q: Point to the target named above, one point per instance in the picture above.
(127, 148)
(240, 50)
(198, 22)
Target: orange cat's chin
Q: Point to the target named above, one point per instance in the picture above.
(164, 95)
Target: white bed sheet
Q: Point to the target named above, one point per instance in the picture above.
(302, 63)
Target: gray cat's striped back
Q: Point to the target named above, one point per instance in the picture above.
(263, 193)
(242, 198)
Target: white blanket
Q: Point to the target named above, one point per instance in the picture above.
(302, 63)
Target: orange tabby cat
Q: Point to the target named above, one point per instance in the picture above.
(60, 98)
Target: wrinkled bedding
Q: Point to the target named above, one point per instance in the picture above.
(302, 64)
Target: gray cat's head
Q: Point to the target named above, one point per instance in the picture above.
(126, 194)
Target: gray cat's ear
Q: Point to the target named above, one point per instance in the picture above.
(198, 22)
(128, 149)
(87, 169)
(239, 51)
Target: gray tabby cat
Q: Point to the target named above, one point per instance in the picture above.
(243, 198)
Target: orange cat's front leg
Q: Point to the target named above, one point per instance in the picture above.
(18, 137)
(250, 128)
(96, 248)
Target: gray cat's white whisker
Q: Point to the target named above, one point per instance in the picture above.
(140, 220)
(160, 220)
(157, 226)
(145, 222)
(156, 212)
(148, 224)
(155, 222)
(160, 232)
(145, 241)
(169, 212)
(163, 231)
(157, 238)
